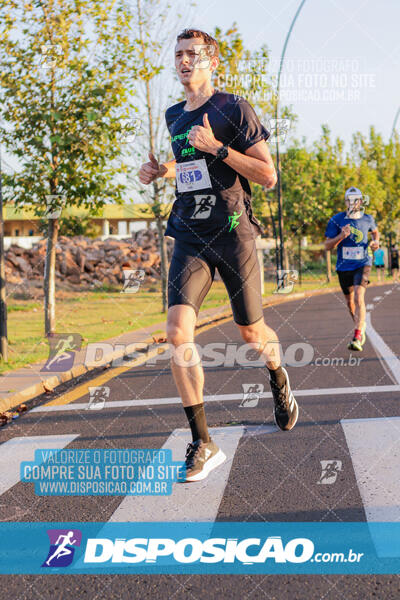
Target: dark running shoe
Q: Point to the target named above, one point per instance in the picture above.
(201, 458)
(286, 409)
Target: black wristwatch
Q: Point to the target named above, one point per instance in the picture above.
(222, 152)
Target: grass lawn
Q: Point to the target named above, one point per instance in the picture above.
(101, 314)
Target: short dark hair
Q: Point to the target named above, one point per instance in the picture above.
(187, 34)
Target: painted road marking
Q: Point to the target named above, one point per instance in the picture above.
(388, 292)
(377, 298)
(82, 390)
(197, 501)
(383, 350)
(374, 446)
(18, 449)
(114, 372)
(218, 398)
(370, 307)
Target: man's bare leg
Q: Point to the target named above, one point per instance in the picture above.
(187, 369)
(202, 454)
(351, 305)
(265, 341)
(359, 317)
(358, 340)
(189, 380)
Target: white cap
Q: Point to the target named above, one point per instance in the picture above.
(352, 191)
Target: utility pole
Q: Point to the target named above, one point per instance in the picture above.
(282, 257)
(3, 305)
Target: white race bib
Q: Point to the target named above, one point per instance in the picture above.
(192, 175)
(353, 253)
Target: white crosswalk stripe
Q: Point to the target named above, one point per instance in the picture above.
(367, 389)
(19, 449)
(390, 359)
(189, 501)
(374, 446)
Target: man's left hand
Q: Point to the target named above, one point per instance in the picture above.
(202, 137)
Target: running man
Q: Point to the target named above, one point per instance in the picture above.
(219, 144)
(348, 231)
(394, 263)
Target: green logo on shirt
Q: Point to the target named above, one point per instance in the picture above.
(357, 234)
(187, 151)
(180, 136)
(234, 220)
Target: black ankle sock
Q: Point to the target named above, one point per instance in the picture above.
(197, 420)
(277, 376)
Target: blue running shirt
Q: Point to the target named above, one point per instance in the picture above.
(352, 252)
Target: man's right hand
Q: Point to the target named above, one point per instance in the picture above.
(149, 171)
(346, 231)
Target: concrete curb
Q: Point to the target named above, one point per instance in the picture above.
(48, 383)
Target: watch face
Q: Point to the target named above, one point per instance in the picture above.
(222, 152)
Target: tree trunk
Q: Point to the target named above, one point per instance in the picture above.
(285, 258)
(328, 266)
(162, 246)
(3, 303)
(50, 278)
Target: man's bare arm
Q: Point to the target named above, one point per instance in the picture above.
(375, 239)
(256, 164)
(167, 169)
(331, 243)
(153, 169)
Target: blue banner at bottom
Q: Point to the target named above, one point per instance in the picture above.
(223, 547)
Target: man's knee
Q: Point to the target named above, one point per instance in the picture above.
(252, 334)
(178, 333)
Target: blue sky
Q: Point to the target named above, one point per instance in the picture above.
(362, 34)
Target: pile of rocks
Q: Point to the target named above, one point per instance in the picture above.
(84, 261)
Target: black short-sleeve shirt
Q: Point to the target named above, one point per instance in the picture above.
(221, 211)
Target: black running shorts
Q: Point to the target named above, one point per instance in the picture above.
(192, 271)
(359, 276)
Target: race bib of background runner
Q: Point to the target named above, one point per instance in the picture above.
(355, 253)
(192, 176)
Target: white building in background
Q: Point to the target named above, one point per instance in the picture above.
(21, 225)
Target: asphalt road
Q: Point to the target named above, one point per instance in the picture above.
(273, 475)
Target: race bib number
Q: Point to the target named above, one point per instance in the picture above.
(355, 253)
(192, 175)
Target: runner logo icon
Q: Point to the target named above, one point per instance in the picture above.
(62, 351)
(132, 280)
(330, 470)
(98, 396)
(286, 280)
(204, 205)
(62, 547)
(251, 394)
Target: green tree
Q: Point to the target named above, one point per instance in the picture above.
(66, 76)
(378, 170)
(72, 226)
